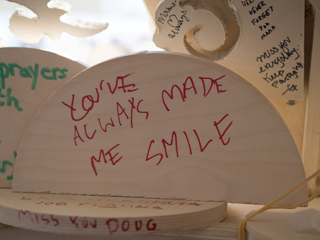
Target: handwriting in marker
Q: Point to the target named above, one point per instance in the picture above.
(9, 100)
(15, 157)
(291, 88)
(3, 166)
(5, 163)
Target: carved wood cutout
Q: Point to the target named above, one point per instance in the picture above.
(262, 41)
(48, 18)
(206, 29)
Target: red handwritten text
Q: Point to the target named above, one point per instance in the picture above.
(122, 115)
(174, 142)
(40, 219)
(88, 101)
(115, 225)
(83, 222)
(189, 85)
(103, 155)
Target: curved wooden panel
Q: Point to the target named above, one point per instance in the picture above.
(27, 78)
(160, 125)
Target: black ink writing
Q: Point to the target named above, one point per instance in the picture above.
(263, 16)
(257, 8)
(164, 14)
(247, 2)
(290, 88)
(176, 23)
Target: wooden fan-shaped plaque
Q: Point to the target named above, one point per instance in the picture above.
(160, 125)
(27, 78)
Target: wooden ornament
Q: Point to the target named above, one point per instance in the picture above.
(27, 78)
(185, 25)
(160, 125)
(110, 216)
(262, 41)
(48, 18)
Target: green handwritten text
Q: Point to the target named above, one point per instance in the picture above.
(32, 72)
(3, 168)
(6, 163)
(9, 100)
(28, 72)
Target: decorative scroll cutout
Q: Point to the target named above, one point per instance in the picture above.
(48, 18)
(264, 40)
(209, 29)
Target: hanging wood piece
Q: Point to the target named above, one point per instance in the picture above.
(262, 41)
(27, 78)
(48, 18)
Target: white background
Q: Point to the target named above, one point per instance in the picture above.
(129, 30)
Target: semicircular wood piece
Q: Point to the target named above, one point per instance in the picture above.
(28, 77)
(97, 215)
(160, 125)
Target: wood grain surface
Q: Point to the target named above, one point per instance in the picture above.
(28, 77)
(262, 41)
(160, 125)
(108, 216)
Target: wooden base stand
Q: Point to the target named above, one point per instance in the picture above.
(101, 215)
